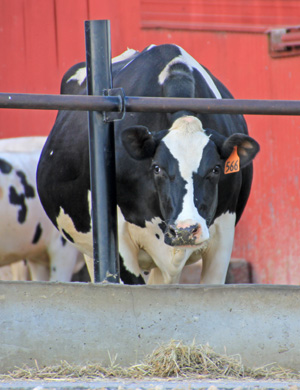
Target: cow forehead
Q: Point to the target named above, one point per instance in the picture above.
(186, 142)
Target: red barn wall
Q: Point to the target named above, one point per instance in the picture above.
(39, 40)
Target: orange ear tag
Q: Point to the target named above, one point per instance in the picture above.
(232, 164)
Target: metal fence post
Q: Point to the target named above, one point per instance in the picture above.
(102, 154)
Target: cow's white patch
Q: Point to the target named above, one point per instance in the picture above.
(193, 63)
(79, 76)
(150, 47)
(144, 249)
(124, 56)
(84, 241)
(217, 255)
(22, 144)
(188, 60)
(164, 74)
(127, 247)
(186, 141)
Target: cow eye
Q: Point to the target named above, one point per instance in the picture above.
(216, 170)
(156, 169)
(213, 174)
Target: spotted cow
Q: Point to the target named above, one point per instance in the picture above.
(25, 229)
(183, 179)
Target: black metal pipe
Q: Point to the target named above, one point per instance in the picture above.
(149, 104)
(59, 102)
(218, 106)
(102, 155)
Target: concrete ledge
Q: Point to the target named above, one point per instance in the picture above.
(81, 322)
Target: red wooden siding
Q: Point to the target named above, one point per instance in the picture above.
(39, 40)
(219, 15)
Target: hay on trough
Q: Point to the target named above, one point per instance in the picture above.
(174, 359)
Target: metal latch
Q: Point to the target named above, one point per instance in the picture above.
(284, 42)
(111, 116)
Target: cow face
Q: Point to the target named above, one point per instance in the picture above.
(186, 166)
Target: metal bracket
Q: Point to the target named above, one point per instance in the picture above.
(284, 42)
(110, 116)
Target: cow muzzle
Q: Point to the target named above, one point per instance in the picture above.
(184, 234)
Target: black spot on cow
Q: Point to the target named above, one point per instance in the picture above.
(28, 189)
(67, 235)
(157, 236)
(127, 277)
(5, 167)
(63, 241)
(18, 200)
(37, 234)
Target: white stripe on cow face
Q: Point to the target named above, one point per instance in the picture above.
(186, 141)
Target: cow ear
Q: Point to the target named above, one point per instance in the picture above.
(139, 142)
(247, 148)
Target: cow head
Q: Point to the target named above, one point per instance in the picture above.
(186, 164)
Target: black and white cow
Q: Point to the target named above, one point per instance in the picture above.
(25, 229)
(176, 200)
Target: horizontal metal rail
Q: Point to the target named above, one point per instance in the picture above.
(148, 104)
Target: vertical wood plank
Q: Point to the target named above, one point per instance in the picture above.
(28, 63)
(69, 18)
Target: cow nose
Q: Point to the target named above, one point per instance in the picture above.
(178, 231)
(177, 235)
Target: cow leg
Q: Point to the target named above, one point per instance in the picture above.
(20, 271)
(169, 263)
(90, 266)
(38, 272)
(61, 269)
(128, 249)
(63, 260)
(217, 256)
(156, 277)
(161, 276)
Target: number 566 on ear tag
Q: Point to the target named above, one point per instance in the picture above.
(232, 164)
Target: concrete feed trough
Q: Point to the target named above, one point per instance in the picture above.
(86, 323)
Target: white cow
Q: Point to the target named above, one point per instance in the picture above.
(25, 230)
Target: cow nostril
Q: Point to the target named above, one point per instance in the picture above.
(172, 231)
(195, 229)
